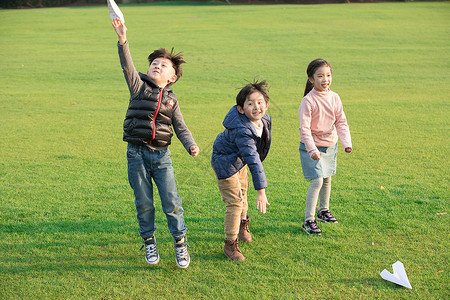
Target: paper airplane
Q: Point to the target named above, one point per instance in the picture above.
(114, 11)
(398, 277)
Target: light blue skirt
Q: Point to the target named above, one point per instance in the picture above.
(323, 168)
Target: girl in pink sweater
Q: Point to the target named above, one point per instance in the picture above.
(322, 121)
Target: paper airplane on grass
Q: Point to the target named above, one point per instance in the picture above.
(114, 11)
(398, 277)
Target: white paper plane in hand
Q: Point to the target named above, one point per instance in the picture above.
(114, 11)
(398, 277)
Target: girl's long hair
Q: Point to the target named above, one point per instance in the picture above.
(312, 67)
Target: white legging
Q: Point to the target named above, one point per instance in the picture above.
(319, 188)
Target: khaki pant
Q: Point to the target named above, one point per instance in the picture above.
(234, 194)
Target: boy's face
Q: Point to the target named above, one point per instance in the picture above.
(254, 108)
(161, 71)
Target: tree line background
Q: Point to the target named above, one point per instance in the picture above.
(55, 3)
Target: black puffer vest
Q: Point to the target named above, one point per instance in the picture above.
(149, 118)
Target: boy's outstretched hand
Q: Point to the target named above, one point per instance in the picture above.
(194, 150)
(121, 30)
(261, 201)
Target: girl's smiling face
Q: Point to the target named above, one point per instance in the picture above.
(321, 79)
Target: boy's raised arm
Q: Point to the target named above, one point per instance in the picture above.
(121, 30)
(132, 77)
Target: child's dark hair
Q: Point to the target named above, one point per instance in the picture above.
(176, 58)
(255, 86)
(312, 68)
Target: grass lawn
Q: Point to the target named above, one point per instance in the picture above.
(67, 219)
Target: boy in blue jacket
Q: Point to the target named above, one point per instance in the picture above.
(245, 141)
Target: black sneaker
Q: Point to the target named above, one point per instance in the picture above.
(326, 216)
(310, 227)
(151, 253)
(181, 253)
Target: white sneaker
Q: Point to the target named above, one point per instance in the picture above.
(151, 253)
(181, 253)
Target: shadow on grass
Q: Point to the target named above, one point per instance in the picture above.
(375, 282)
(91, 226)
(73, 246)
(114, 245)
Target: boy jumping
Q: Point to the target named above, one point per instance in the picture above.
(152, 111)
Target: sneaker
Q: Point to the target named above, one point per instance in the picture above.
(244, 233)
(310, 227)
(326, 216)
(151, 253)
(232, 251)
(181, 253)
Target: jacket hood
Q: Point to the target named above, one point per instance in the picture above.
(234, 119)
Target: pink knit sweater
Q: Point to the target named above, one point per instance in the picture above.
(322, 120)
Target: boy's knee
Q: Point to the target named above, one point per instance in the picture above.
(234, 201)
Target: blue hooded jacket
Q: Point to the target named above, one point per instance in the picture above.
(239, 145)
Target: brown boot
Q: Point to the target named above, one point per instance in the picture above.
(244, 233)
(232, 251)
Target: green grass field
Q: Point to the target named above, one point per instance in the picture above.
(67, 219)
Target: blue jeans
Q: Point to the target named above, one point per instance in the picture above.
(143, 165)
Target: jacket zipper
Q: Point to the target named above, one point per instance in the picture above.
(156, 114)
